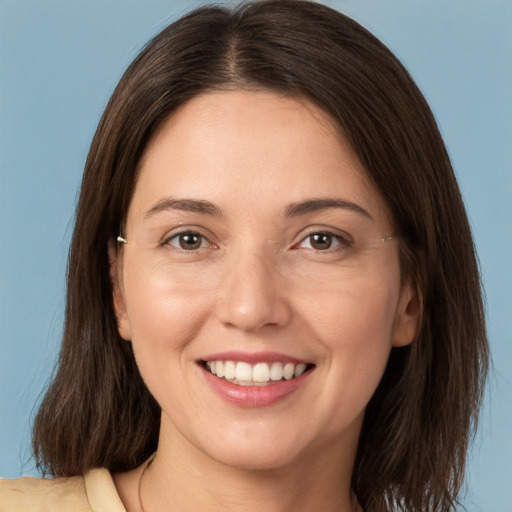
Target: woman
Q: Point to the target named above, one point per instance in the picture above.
(272, 280)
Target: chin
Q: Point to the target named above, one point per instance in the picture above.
(255, 458)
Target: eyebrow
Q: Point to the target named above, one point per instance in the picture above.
(316, 205)
(292, 210)
(186, 205)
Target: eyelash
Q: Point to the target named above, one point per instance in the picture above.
(343, 242)
(188, 232)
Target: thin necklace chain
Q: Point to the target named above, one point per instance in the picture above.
(146, 467)
(150, 461)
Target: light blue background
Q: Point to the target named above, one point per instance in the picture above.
(59, 62)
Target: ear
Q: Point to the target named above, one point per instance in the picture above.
(115, 261)
(408, 316)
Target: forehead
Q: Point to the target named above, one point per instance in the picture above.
(252, 150)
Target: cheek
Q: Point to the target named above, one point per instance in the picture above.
(163, 322)
(355, 330)
(355, 313)
(163, 316)
(355, 326)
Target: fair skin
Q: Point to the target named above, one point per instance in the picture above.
(237, 251)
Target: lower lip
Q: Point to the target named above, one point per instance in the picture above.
(254, 396)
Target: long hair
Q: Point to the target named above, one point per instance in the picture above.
(415, 435)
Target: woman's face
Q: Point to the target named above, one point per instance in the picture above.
(257, 250)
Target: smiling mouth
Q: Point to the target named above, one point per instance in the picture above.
(259, 374)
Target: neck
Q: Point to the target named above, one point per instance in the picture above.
(183, 478)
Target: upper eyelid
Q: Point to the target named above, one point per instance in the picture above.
(183, 230)
(314, 229)
(165, 243)
(334, 235)
(304, 233)
(344, 243)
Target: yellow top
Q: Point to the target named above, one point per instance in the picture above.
(93, 492)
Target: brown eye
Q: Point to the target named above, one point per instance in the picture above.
(188, 241)
(321, 241)
(324, 241)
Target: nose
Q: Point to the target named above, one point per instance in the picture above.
(250, 296)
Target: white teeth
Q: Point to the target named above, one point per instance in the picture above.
(219, 369)
(244, 374)
(243, 371)
(299, 370)
(261, 373)
(288, 370)
(229, 370)
(276, 371)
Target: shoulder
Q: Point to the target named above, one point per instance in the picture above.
(93, 492)
(41, 494)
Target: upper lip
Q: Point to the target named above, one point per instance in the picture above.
(253, 357)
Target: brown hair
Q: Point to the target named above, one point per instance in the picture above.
(412, 450)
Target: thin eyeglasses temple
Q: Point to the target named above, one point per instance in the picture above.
(122, 240)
